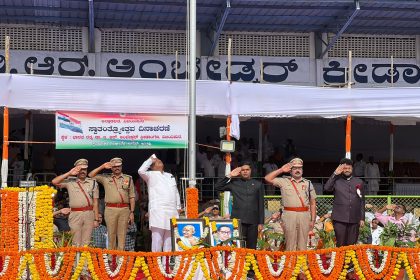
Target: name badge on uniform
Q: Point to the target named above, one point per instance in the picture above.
(125, 184)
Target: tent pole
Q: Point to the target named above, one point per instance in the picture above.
(260, 141)
(348, 122)
(229, 74)
(176, 65)
(391, 148)
(178, 152)
(192, 96)
(392, 71)
(27, 124)
(5, 159)
(229, 119)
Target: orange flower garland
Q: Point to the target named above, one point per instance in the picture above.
(364, 264)
(9, 220)
(413, 258)
(338, 264)
(13, 237)
(399, 259)
(192, 203)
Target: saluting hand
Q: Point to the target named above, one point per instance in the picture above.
(74, 171)
(107, 165)
(339, 169)
(235, 172)
(286, 168)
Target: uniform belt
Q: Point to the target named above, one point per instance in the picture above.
(86, 208)
(296, 209)
(117, 205)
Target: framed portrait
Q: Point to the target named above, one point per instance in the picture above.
(187, 233)
(226, 233)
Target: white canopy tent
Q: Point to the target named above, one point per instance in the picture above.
(149, 96)
(152, 96)
(217, 98)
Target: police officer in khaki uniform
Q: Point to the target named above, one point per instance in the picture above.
(298, 198)
(83, 200)
(119, 201)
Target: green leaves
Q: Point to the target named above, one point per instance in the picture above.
(397, 235)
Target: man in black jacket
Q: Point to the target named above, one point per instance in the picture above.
(348, 213)
(248, 201)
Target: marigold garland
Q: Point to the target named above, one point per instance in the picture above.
(206, 260)
(415, 263)
(192, 203)
(9, 222)
(15, 206)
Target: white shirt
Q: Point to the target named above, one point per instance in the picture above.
(369, 216)
(376, 233)
(411, 218)
(164, 198)
(208, 168)
(359, 168)
(372, 171)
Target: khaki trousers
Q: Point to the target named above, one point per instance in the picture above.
(116, 222)
(81, 226)
(296, 229)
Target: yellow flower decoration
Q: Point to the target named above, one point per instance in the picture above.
(235, 223)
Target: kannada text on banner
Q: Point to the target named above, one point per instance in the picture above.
(76, 130)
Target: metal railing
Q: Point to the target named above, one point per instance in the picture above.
(387, 186)
(325, 202)
(41, 178)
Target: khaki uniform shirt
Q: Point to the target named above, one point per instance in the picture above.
(117, 189)
(288, 194)
(77, 197)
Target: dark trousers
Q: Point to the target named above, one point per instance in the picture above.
(345, 233)
(250, 234)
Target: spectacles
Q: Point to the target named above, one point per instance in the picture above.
(224, 232)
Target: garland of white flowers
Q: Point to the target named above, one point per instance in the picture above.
(21, 222)
(221, 262)
(280, 265)
(32, 218)
(120, 260)
(321, 267)
(23, 208)
(371, 261)
(5, 266)
(174, 269)
(58, 263)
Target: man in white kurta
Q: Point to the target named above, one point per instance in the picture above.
(164, 202)
(372, 175)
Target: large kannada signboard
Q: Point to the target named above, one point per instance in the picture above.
(75, 130)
